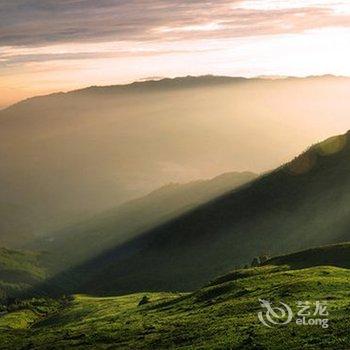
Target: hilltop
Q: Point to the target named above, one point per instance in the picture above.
(330, 255)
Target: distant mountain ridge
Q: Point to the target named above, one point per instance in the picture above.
(138, 87)
(168, 83)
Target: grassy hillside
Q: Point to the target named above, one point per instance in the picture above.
(68, 156)
(114, 227)
(222, 315)
(300, 205)
(19, 271)
(331, 255)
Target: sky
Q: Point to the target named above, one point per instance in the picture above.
(49, 45)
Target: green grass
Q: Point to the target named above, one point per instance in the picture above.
(223, 315)
(18, 320)
(25, 261)
(19, 271)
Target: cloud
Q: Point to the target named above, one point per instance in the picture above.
(50, 45)
(40, 23)
(17, 56)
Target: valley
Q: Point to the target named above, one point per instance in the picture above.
(185, 265)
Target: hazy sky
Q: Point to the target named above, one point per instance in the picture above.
(55, 45)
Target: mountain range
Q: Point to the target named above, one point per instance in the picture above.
(69, 156)
(122, 248)
(299, 205)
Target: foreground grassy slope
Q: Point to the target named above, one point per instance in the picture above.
(222, 315)
(19, 271)
(302, 204)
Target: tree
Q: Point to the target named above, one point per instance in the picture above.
(255, 262)
(144, 300)
(263, 258)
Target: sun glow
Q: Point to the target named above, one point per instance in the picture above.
(337, 6)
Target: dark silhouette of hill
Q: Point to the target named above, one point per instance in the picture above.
(89, 238)
(336, 255)
(68, 156)
(329, 255)
(299, 205)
